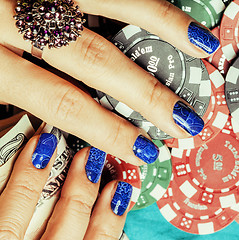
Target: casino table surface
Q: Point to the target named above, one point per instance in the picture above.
(149, 224)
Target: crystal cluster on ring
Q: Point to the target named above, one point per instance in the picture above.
(52, 23)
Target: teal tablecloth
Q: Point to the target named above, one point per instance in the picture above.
(149, 224)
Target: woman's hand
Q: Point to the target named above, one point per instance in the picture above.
(72, 217)
(99, 64)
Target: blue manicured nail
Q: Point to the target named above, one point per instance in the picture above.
(186, 118)
(44, 150)
(121, 198)
(95, 164)
(145, 149)
(202, 38)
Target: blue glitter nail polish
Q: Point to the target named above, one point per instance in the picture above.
(44, 150)
(95, 164)
(121, 198)
(186, 118)
(202, 38)
(145, 149)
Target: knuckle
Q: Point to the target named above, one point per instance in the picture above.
(114, 137)
(155, 95)
(77, 205)
(67, 104)
(163, 11)
(94, 52)
(8, 231)
(27, 192)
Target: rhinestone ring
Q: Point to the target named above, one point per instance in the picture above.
(52, 23)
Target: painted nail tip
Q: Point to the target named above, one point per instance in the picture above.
(95, 164)
(44, 150)
(145, 149)
(38, 162)
(197, 131)
(93, 179)
(203, 38)
(186, 118)
(121, 198)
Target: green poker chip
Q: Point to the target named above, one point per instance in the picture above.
(207, 12)
(155, 178)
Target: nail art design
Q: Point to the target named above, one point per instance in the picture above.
(186, 118)
(44, 150)
(95, 164)
(202, 38)
(145, 149)
(121, 198)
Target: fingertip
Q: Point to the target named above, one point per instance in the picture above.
(202, 38)
(121, 199)
(145, 149)
(187, 119)
(44, 150)
(95, 164)
(117, 195)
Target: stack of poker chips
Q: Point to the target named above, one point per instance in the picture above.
(201, 193)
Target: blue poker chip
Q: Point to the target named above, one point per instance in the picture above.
(183, 74)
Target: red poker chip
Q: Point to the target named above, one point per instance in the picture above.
(231, 127)
(210, 174)
(192, 216)
(117, 169)
(229, 30)
(218, 59)
(215, 117)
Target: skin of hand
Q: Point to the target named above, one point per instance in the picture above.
(99, 64)
(74, 216)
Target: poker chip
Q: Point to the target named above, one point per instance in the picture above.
(191, 216)
(117, 169)
(215, 118)
(218, 59)
(182, 73)
(229, 30)
(209, 174)
(206, 12)
(155, 178)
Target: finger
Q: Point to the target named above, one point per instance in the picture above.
(19, 199)
(74, 207)
(104, 67)
(111, 206)
(100, 65)
(161, 18)
(157, 16)
(15, 131)
(72, 110)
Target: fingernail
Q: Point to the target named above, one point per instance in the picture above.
(44, 150)
(186, 118)
(121, 198)
(145, 149)
(202, 38)
(95, 164)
